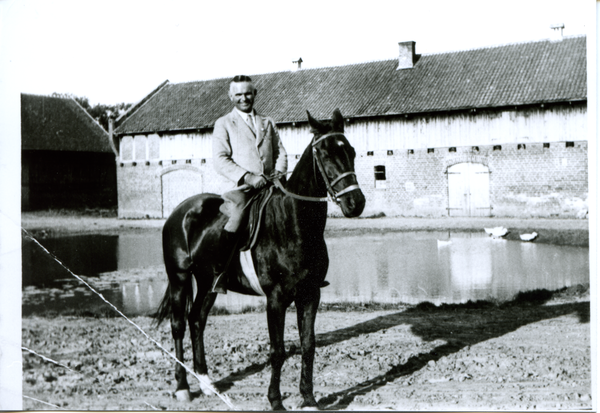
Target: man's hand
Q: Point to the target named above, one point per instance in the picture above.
(255, 181)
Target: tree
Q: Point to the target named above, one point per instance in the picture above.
(100, 111)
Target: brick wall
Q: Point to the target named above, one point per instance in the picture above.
(526, 180)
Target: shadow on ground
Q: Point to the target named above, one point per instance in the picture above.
(459, 325)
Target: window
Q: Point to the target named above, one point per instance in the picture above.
(570, 144)
(430, 150)
(380, 178)
(497, 147)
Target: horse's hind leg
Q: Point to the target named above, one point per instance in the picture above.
(180, 290)
(197, 321)
(276, 320)
(306, 309)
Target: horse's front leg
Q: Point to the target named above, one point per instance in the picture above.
(307, 305)
(276, 321)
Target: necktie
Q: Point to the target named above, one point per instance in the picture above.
(251, 123)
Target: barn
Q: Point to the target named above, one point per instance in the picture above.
(496, 131)
(66, 157)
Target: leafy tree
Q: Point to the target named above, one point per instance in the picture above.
(99, 111)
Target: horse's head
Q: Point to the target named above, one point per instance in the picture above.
(334, 157)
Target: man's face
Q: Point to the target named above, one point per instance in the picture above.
(242, 95)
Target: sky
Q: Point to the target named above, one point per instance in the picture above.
(119, 51)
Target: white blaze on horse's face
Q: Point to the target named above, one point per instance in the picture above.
(242, 95)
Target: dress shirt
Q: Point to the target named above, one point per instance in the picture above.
(248, 118)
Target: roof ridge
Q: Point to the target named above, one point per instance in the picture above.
(384, 60)
(46, 96)
(495, 46)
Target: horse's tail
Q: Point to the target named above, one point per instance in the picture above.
(165, 309)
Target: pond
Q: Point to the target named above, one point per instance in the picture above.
(395, 267)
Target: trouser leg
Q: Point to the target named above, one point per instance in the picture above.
(234, 205)
(225, 250)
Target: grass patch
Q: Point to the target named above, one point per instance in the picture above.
(79, 212)
(523, 299)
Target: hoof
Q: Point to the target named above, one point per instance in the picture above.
(206, 384)
(277, 406)
(310, 406)
(183, 395)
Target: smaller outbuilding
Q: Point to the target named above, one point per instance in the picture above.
(66, 156)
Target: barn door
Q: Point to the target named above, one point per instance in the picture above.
(469, 190)
(177, 186)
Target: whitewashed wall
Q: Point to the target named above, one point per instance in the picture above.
(557, 124)
(167, 147)
(515, 126)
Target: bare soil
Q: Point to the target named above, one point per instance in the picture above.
(531, 353)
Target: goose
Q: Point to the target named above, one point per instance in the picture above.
(443, 243)
(529, 237)
(496, 232)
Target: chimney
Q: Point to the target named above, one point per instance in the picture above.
(557, 32)
(407, 56)
(299, 61)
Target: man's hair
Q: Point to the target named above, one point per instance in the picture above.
(241, 78)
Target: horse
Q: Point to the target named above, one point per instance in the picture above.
(290, 256)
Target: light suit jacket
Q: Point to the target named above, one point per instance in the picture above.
(236, 150)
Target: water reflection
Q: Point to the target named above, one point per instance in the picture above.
(409, 267)
(413, 267)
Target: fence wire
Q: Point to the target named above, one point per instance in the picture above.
(202, 380)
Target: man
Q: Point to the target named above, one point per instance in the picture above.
(246, 150)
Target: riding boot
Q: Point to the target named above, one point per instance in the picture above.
(226, 249)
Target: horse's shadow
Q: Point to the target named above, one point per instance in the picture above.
(478, 322)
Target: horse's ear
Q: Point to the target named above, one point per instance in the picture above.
(337, 121)
(315, 125)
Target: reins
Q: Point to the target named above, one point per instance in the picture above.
(332, 194)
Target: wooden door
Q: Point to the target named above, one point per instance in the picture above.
(177, 186)
(469, 190)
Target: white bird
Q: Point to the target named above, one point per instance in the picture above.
(529, 237)
(443, 243)
(497, 232)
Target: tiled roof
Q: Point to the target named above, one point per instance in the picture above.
(59, 124)
(516, 74)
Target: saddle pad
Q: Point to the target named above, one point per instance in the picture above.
(248, 268)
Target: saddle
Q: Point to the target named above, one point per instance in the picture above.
(255, 209)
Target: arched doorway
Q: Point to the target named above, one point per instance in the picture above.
(469, 190)
(177, 185)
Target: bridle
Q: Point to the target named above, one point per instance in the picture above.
(333, 195)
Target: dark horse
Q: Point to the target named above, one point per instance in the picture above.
(290, 255)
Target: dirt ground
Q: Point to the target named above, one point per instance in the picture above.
(531, 353)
